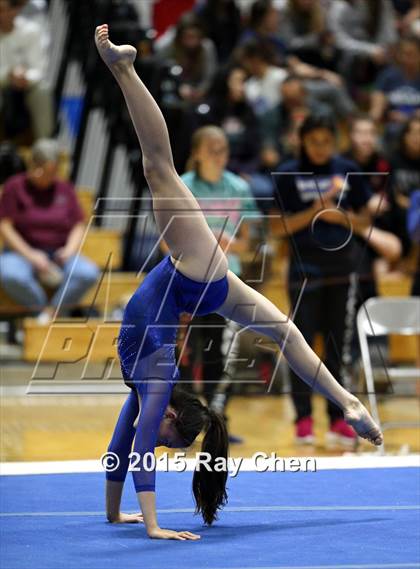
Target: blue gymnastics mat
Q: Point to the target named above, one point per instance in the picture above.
(328, 519)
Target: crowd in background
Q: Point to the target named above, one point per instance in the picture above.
(256, 70)
(248, 88)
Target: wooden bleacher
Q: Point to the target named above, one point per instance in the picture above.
(94, 340)
(86, 200)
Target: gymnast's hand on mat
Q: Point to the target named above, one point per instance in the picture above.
(128, 519)
(159, 533)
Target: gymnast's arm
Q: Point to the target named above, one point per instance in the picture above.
(113, 502)
(155, 397)
(120, 445)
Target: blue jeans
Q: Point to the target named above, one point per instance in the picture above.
(19, 281)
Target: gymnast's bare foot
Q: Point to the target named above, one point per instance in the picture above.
(115, 56)
(359, 418)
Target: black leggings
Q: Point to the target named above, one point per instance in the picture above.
(327, 309)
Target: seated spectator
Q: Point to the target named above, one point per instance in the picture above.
(41, 223)
(405, 179)
(227, 108)
(191, 59)
(304, 30)
(263, 47)
(364, 32)
(262, 89)
(405, 163)
(296, 103)
(298, 98)
(184, 72)
(380, 247)
(324, 85)
(396, 96)
(221, 20)
(291, 137)
(23, 66)
(364, 151)
(263, 26)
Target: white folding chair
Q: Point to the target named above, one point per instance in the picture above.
(380, 316)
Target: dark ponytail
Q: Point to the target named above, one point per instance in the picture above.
(209, 486)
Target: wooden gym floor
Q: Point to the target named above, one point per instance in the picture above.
(70, 427)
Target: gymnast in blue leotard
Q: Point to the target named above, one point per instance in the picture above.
(194, 279)
(146, 347)
(153, 312)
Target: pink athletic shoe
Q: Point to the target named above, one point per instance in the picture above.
(304, 431)
(341, 434)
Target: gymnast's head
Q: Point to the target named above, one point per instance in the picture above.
(185, 418)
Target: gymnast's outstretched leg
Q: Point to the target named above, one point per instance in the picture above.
(251, 309)
(178, 214)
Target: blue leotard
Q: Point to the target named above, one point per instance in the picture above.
(146, 347)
